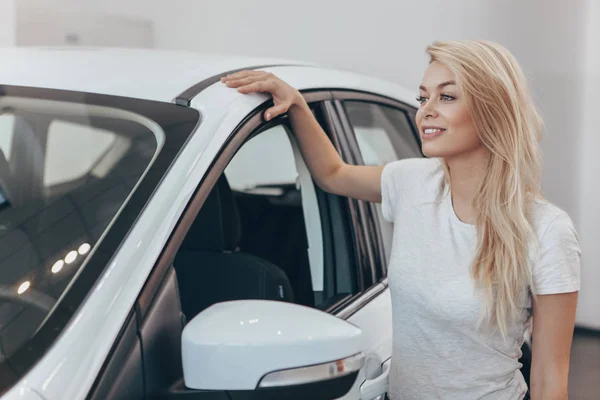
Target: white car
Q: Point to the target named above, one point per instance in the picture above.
(159, 239)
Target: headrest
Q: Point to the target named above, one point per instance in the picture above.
(217, 226)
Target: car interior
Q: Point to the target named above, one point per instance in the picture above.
(243, 251)
(48, 210)
(239, 246)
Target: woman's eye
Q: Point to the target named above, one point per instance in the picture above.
(421, 99)
(446, 97)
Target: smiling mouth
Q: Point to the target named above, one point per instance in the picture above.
(432, 132)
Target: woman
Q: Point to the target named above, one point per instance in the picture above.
(477, 253)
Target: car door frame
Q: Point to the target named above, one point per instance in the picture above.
(373, 230)
(379, 293)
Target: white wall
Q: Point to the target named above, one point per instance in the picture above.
(589, 229)
(48, 27)
(7, 23)
(382, 37)
(387, 38)
(64, 23)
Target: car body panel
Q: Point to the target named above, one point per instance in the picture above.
(69, 368)
(22, 392)
(158, 75)
(378, 334)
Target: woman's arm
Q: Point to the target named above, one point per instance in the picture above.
(326, 166)
(553, 321)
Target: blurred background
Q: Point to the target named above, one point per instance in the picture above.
(556, 41)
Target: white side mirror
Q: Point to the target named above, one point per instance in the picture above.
(273, 349)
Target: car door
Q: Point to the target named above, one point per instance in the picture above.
(345, 268)
(351, 272)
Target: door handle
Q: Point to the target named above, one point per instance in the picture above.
(374, 389)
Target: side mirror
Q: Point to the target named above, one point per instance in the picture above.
(257, 349)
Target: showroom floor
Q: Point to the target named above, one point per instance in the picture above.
(584, 374)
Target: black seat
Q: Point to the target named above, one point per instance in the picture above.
(275, 230)
(211, 269)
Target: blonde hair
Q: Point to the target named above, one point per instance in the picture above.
(507, 122)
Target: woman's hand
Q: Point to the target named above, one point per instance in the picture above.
(326, 166)
(284, 95)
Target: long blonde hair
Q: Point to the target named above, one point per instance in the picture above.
(507, 122)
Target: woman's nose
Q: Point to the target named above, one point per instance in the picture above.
(428, 110)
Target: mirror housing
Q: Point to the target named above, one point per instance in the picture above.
(258, 349)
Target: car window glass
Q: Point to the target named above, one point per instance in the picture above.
(72, 167)
(281, 219)
(267, 167)
(266, 160)
(383, 134)
(92, 145)
(6, 127)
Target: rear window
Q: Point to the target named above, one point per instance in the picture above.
(66, 171)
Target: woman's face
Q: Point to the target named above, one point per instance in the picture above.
(445, 126)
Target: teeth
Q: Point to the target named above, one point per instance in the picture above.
(432, 130)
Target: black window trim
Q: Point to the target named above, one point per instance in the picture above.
(342, 96)
(371, 226)
(368, 97)
(185, 98)
(179, 124)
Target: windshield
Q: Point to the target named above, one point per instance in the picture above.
(66, 169)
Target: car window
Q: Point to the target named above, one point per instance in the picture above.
(266, 168)
(267, 160)
(384, 134)
(278, 201)
(65, 173)
(6, 127)
(93, 147)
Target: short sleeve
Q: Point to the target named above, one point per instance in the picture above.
(405, 180)
(558, 266)
(388, 192)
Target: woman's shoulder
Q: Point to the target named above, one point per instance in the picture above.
(406, 180)
(417, 169)
(556, 268)
(549, 220)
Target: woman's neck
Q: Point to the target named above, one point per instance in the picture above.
(466, 174)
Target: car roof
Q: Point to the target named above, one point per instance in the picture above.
(150, 74)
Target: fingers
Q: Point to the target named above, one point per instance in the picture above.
(276, 110)
(260, 86)
(250, 81)
(242, 75)
(236, 83)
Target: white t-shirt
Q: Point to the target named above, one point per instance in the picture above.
(438, 351)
